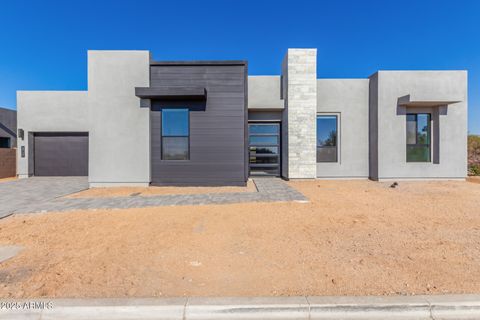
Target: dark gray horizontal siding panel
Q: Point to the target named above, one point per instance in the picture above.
(186, 168)
(203, 155)
(195, 76)
(220, 103)
(208, 123)
(169, 74)
(197, 69)
(199, 63)
(226, 95)
(223, 145)
(187, 75)
(199, 182)
(207, 132)
(186, 92)
(212, 172)
(205, 163)
(212, 83)
(217, 129)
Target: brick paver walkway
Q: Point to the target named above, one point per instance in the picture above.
(269, 190)
(18, 194)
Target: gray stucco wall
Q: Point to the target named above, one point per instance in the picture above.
(119, 131)
(8, 125)
(348, 99)
(264, 93)
(450, 122)
(119, 148)
(43, 111)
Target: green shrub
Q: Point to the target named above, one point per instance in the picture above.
(474, 170)
(474, 155)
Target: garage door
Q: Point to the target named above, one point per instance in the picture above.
(61, 154)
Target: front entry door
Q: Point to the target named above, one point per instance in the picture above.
(264, 148)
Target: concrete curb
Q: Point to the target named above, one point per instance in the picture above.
(400, 307)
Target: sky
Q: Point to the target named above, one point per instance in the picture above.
(43, 44)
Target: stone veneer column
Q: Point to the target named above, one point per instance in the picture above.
(299, 119)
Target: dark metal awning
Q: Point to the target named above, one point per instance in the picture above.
(171, 93)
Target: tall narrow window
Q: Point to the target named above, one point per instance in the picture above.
(175, 134)
(327, 139)
(418, 137)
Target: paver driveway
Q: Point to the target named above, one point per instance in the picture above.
(45, 195)
(20, 195)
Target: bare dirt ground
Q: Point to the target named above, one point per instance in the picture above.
(155, 191)
(474, 179)
(352, 238)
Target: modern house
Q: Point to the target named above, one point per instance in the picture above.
(8, 142)
(147, 122)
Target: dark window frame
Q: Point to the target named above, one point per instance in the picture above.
(9, 142)
(275, 168)
(416, 144)
(162, 136)
(336, 116)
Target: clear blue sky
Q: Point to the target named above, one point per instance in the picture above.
(43, 43)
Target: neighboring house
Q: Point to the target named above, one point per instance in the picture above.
(8, 141)
(147, 122)
(8, 128)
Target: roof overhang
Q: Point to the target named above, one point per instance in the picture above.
(422, 102)
(171, 93)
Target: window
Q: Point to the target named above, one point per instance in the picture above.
(175, 134)
(4, 142)
(327, 139)
(418, 137)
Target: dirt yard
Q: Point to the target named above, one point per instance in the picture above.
(155, 191)
(352, 238)
(474, 179)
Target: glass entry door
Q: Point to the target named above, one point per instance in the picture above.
(264, 148)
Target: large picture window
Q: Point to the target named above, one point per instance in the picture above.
(418, 137)
(327, 139)
(175, 134)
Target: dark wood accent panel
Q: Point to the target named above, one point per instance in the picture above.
(217, 125)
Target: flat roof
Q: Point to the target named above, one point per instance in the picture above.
(200, 63)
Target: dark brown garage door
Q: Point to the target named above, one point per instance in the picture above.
(61, 154)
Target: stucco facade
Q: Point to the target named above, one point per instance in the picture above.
(348, 99)
(227, 108)
(443, 94)
(119, 131)
(47, 111)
